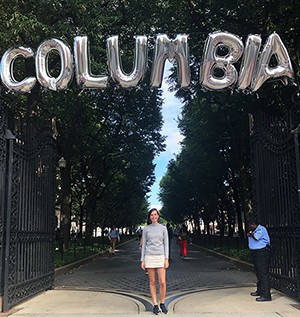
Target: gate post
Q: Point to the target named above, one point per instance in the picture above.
(10, 144)
(297, 153)
(296, 133)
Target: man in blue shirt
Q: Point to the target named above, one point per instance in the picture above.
(259, 245)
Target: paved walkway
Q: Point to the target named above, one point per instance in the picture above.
(114, 285)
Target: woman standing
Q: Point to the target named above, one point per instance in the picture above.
(155, 257)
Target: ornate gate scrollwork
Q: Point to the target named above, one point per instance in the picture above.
(276, 179)
(27, 190)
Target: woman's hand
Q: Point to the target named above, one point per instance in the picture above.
(143, 265)
(166, 263)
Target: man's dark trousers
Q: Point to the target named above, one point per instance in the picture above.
(262, 260)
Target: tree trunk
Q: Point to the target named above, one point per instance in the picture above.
(196, 222)
(65, 211)
(91, 205)
(238, 213)
(81, 221)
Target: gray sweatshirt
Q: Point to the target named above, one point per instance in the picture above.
(155, 241)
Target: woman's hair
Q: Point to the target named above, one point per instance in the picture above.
(149, 213)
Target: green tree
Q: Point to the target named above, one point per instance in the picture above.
(215, 156)
(104, 136)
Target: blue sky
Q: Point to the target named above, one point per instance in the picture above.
(171, 111)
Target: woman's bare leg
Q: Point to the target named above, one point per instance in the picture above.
(152, 284)
(162, 284)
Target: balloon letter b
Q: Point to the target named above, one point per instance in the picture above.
(213, 61)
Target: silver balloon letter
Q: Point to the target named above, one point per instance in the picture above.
(41, 64)
(166, 48)
(7, 70)
(252, 48)
(215, 60)
(84, 77)
(140, 62)
(283, 70)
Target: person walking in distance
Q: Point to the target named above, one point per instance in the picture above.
(260, 249)
(155, 258)
(183, 241)
(113, 237)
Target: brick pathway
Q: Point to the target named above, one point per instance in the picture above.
(121, 272)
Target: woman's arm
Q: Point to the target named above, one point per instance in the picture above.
(166, 243)
(143, 239)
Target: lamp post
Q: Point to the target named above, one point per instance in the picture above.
(62, 163)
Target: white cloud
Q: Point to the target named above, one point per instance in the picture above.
(173, 143)
(157, 206)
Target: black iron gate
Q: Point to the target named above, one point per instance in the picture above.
(27, 206)
(276, 173)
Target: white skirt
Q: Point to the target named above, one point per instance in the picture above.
(154, 261)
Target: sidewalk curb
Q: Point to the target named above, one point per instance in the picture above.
(237, 261)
